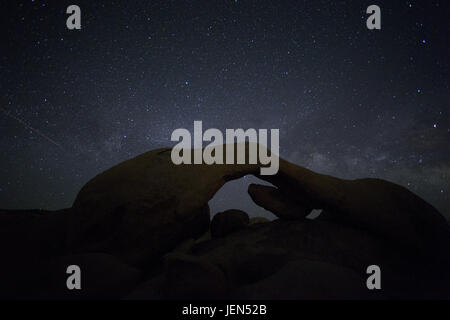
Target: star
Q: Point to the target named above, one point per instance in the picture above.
(120, 88)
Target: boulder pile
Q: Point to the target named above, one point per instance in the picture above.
(142, 230)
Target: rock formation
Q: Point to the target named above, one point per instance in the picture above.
(227, 222)
(145, 225)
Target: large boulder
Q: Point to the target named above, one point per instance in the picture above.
(308, 279)
(145, 206)
(133, 214)
(378, 206)
(189, 276)
(226, 222)
(262, 250)
(313, 259)
(27, 237)
(255, 220)
(279, 204)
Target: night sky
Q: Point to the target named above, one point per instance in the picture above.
(348, 101)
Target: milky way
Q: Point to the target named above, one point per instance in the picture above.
(348, 101)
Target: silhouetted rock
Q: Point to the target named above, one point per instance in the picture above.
(188, 276)
(150, 289)
(281, 205)
(125, 220)
(145, 206)
(27, 237)
(255, 220)
(262, 250)
(308, 279)
(379, 206)
(224, 223)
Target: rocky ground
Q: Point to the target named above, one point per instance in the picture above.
(142, 230)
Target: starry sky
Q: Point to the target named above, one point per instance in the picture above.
(348, 101)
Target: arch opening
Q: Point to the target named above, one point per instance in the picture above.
(234, 195)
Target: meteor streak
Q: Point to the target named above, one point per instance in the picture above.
(31, 128)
